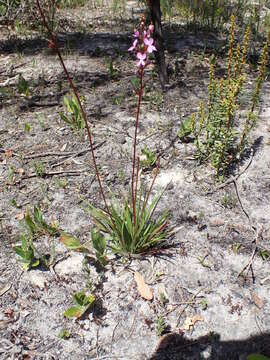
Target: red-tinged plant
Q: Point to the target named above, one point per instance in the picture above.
(129, 223)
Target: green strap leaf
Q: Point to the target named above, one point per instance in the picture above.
(72, 243)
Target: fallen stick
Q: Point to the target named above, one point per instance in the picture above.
(248, 266)
(79, 153)
(49, 153)
(46, 174)
(64, 154)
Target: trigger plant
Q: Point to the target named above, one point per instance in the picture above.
(126, 226)
(131, 226)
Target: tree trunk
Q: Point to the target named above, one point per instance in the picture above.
(154, 7)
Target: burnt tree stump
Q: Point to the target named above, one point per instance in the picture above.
(155, 11)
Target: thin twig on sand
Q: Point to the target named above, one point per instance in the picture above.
(249, 266)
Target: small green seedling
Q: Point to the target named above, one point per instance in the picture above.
(204, 304)
(27, 128)
(82, 303)
(186, 129)
(39, 168)
(99, 244)
(228, 201)
(112, 71)
(163, 299)
(149, 158)
(26, 252)
(265, 254)
(118, 100)
(202, 261)
(36, 226)
(73, 115)
(61, 183)
(64, 334)
(11, 172)
(23, 86)
(160, 326)
(13, 202)
(236, 248)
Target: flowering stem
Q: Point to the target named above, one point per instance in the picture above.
(53, 44)
(134, 146)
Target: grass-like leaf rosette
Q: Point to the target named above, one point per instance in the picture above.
(125, 237)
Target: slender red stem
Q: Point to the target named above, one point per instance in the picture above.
(137, 177)
(135, 145)
(56, 47)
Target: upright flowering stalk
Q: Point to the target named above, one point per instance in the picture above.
(143, 44)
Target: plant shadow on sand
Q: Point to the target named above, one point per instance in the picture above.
(177, 347)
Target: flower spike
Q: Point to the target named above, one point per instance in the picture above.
(143, 44)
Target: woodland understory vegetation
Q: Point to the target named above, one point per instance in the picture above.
(128, 226)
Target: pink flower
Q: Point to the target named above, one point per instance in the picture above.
(151, 28)
(141, 59)
(143, 44)
(133, 47)
(149, 43)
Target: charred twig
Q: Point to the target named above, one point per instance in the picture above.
(30, 104)
(47, 174)
(49, 153)
(133, 325)
(57, 262)
(241, 205)
(113, 333)
(73, 155)
(64, 154)
(248, 267)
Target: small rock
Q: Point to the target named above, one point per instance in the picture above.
(36, 277)
(71, 265)
(216, 222)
